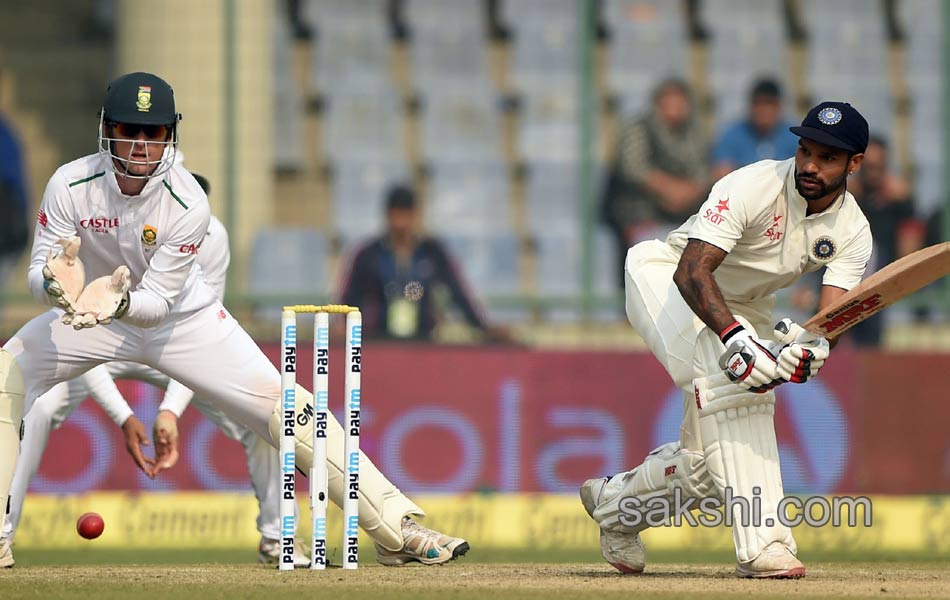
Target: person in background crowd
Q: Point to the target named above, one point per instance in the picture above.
(660, 173)
(761, 135)
(395, 278)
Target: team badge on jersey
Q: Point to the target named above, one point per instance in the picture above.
(144, 101)
(149, 235)
(829, 115)
(824, 248)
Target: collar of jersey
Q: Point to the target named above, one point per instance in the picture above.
(147, 190)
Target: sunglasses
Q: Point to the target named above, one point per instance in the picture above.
(132, 131)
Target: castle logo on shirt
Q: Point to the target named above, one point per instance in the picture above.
(189, 249)
(149, 235)
(100, 224)
(824, 248)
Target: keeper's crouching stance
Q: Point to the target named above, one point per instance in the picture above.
(702, 300)
(114, 250)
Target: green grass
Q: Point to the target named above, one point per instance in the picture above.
(105, 574)
(114, 557)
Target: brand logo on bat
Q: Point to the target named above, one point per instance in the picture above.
(853, 311)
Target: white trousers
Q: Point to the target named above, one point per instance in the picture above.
(208, 352)
(50, 410)
(705, 460)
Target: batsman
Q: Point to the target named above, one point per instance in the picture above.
(703, 302)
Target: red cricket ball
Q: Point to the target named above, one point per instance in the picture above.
(90, 525)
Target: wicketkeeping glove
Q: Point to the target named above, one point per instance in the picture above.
(103, 299)
(748, 360)
(63, 274)
(803, 352)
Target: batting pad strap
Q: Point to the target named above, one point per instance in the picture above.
(381, 505)
(738, 434)
(626, 497)
(717, 392)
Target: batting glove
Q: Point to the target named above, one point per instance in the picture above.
(747, 360)
(803, 353)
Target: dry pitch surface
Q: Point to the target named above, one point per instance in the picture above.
(463, 579)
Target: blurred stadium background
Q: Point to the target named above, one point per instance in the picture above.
(504, 117)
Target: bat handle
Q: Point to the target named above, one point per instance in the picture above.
(786, 331)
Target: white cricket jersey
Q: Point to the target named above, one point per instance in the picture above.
(214, 257)
(758, 217)
(157, 234)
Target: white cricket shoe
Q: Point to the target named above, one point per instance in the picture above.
(6, 554)
(623, 551)
(775, 562)
(423, 545)
(268, 553)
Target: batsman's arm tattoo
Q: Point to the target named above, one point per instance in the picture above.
(695, 281)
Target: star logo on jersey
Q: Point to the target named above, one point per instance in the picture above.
(774, 233)
(143, 101)
(149, 235)
(714, 215)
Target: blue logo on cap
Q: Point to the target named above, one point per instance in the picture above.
(829, 116)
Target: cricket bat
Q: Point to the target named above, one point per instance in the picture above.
(885, 287)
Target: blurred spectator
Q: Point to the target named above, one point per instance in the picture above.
(762, 135)
(14, 226)
(660, 174)
(885, 199)
(399, 278)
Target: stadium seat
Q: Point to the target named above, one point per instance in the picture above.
(846, 42)
(552, 197)
(359, 195)
(489, 261)
(546, 57)
(287, 264)
(288, 104)
(928, 135)
(347, 57)
(923, 62)
(648, 43)
(427, 16)
(461, 127)
(449, 60)
(469, 198)
(549, 130)
(747, 41)
(365, 126)
(558, 263)
(520, 15)
(366, 14)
